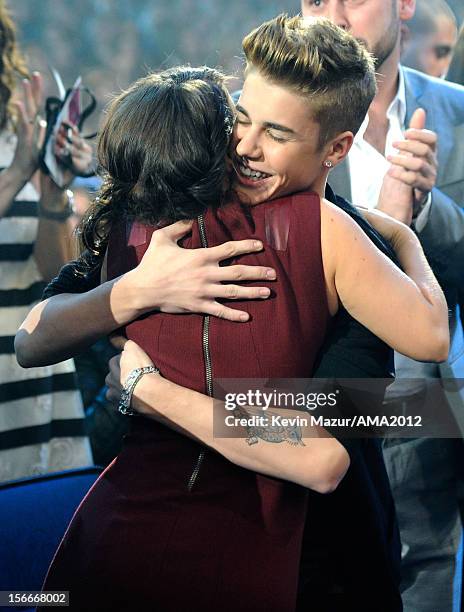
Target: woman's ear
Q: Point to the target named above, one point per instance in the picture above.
(338, 149)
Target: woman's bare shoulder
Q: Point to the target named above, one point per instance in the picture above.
(334, 219)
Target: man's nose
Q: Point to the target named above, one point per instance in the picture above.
(337, 14)
(248, 144)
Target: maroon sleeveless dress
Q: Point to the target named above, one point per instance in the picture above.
(170, 525)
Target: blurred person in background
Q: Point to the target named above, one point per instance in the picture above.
(429, 38)
(458, 9)
(456, 75)
(456, 69)
(413, 134)
(41, 416)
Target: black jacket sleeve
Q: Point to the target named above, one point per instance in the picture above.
(74, 277)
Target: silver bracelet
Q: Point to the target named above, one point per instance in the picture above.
(129, 386)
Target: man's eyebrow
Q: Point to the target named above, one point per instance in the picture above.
(267, 124)
(240, 109)
(278, 127)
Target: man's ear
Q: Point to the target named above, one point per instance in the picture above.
(406, 9)
(339, 147)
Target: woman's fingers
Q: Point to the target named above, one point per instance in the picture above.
(234, 248)
(240, 272)
(21, 114)
(237, 292)
(37, 89)
(40, 127)
(173, 232)
(29, 102)
(221, 311)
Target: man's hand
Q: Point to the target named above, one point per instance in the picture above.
(416, 165)
(396, 199)
(176, 280)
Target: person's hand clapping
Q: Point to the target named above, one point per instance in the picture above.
(416, 165)
(396, 199)
(30, 128)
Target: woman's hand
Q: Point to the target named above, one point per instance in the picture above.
(80, 155)
(30, 128)
(120, 366)
(74, 150)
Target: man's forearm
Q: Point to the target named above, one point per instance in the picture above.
(66, 324)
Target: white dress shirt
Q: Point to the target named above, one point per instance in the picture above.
(368, 167)
(367, 170)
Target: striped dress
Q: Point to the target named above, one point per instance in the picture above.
(41, 414)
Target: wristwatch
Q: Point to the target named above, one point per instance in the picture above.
(129, 386)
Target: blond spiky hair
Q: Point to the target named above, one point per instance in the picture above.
(320, 61)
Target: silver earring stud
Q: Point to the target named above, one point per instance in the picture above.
(328, 163)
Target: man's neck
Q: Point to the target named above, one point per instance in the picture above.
(387, 83)
(387, 88)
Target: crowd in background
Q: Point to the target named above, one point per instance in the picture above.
(113, 42)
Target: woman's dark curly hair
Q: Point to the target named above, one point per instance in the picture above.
(162, 152)
(12, 64)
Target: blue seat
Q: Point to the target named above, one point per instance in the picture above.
(34, 514)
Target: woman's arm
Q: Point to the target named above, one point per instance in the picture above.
(405, 309)
(30, 133)
(318, 461)
(53, 244)
(169, 278)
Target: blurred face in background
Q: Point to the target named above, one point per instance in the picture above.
(375, 22)
(432, 53)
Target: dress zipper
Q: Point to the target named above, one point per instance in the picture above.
(207, 356)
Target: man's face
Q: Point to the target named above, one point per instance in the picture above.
(374, 22)
(433, 53)
(275, 147)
